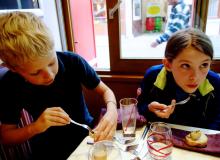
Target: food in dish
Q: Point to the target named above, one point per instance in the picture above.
(92, 135)
(196, 139)
(100, 153)
(104, 150)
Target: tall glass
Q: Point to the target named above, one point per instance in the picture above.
(128, 107)
(159, 141)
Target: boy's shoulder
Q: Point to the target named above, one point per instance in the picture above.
(71, 60)
(69, 55)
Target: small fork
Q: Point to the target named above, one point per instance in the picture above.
(82, 125)
(182, 102)
(178, 103)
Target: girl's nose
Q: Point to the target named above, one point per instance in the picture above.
(193, 75)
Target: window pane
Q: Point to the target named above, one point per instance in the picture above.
(101, 34)
(18, 4)
(141, 23)
(49, 16)
(213, 26)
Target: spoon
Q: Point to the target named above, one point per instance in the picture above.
(82, 125)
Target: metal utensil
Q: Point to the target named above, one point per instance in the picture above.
(136, 158)
(141, 141)
(82, 125)
(178, 103)
(183, 101)
(124, 140)
(139, 147)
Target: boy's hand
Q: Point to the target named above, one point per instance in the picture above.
(107, 126)
(54, 116)
(162, 110)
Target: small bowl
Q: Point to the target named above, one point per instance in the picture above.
(105, 150)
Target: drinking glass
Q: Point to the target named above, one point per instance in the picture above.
(159, 141)
(128, 108)
(105, 150)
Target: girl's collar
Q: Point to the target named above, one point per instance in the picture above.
(161, 80)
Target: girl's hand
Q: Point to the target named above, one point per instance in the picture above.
(162, 110)
(107, 126)
(54, 116)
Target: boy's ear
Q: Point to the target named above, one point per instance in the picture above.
(9, 67)
(4, 64)
(167, 64)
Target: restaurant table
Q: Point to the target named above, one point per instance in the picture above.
(82, 151)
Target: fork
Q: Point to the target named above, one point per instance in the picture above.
(182, 102)
(141, 141)
(82, 125)
(178, 103)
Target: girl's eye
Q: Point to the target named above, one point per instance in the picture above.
(185, 66)
(205, 65)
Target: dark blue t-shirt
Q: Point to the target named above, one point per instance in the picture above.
(66, 92)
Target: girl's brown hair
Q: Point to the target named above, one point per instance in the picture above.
(186, 38)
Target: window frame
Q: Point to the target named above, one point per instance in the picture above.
(138, 66)
(135, 66)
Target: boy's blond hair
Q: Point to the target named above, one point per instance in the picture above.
(23, 37)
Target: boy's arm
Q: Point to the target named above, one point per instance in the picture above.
(107, 94)
(11, 134)
(53, 116)
(107, 126)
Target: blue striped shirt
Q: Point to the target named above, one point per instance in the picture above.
(179, 19)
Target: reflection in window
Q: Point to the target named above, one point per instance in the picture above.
(101, 34)
(18, 4)
(213, 25)
(137, 34)
(136, 9)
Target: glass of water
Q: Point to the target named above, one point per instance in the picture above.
(159, 141)
(128, 107)
(105, 150)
